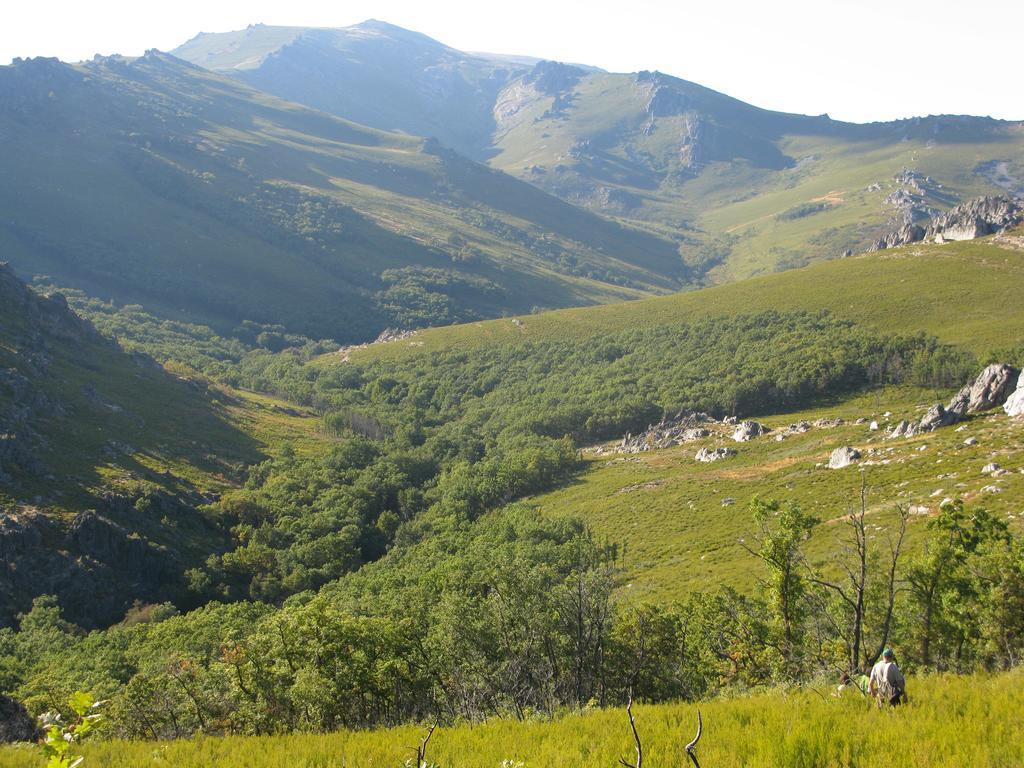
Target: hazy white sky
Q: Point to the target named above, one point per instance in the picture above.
(855, 59)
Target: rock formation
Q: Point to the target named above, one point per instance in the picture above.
(843, 457)
(975, 218)
(989, 390)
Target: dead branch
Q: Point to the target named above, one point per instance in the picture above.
(636, 736)
(421, 750)
(693, 744)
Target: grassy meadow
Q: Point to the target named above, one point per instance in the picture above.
(680, 522)
(945, 290)
(950, 721)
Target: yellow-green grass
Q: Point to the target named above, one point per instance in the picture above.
(964, 293)
(681, 521)
(950, 721)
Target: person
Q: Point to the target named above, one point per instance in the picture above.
(858, 681)
(888, 685)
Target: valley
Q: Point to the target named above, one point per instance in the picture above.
(359, 392)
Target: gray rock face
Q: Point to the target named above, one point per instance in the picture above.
(899, 430)
(843, 457)
(684, 427)
(1014, 405)
(936, 417)
(708, 455)
(15, 722)
(991, 389)
(976, 218)
(747, 430)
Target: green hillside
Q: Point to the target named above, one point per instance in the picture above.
(88, 429)
(964, 293)
(152, 181)
(742, 190)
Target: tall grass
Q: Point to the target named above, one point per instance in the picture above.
(950, 721)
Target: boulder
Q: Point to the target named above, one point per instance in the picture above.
(899, 430)
(15, 722)
(992, 388)
(747, 430)
(936, 417)
(1014, 405)
(843, 457)
(707, 455)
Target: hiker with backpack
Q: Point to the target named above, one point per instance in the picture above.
(888, 685)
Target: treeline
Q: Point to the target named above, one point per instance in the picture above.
(513, 615)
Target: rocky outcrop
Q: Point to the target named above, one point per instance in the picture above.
(95, 566)
(684, 427)
(906, 233)
(843, 457)
(16, 725)
(976, 218)
(937, 416)
(747, 430)
(992, 388)
(967, 221)
(707, 455)
(553, 77)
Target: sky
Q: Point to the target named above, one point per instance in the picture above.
(856, 60)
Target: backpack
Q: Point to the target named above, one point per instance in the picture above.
(890, 690)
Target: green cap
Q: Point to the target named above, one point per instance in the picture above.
(888, 652)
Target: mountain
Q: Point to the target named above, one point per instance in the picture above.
(746, 190)
(373, 73)
(153, 181)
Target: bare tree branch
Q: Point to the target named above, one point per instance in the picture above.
(636, 736)
(693, 744)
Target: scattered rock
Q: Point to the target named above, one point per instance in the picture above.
(988, 469)
(873, 426)
(971, 441)
(843, 457)
(728, 501)
(707, 455)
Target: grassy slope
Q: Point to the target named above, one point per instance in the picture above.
(963, 293)
(681, 533)
(667, 509)
(200, 197)
(112, 420)
(950, 722)
(736, 190)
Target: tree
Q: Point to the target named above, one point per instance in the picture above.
(782, 530)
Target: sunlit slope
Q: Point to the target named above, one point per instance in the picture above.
(680, 524)
(153, 181)
(964, 293)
